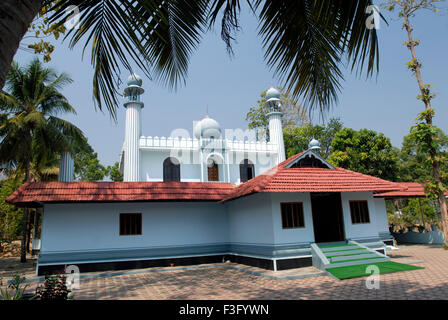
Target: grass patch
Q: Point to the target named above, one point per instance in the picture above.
(359, 270)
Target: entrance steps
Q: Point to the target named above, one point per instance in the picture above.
(330, 255)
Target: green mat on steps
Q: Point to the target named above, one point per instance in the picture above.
(359, 270)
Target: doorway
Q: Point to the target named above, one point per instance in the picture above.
(328, 221)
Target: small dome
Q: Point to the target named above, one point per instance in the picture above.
(207, 128)
(272, 93)
(135, 80)
(314, 144)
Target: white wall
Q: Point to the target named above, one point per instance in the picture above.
(250, 219)
(377, 215)
(190, 170)
(152, 166)
(96, 226)
(296, 235)
(382, 223)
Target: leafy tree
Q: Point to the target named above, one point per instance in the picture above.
(40, 32)
(89, 168)
(293, 114)
(297, 138)
(10, 216)
(115, 173)
(31, 133)
(304, 41)
(87, 164)
(413, 164)
(424, 132)
(365, 151)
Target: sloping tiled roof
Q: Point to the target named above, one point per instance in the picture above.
(281, 179)
(409, 190)
(277, 179)
(40, 192)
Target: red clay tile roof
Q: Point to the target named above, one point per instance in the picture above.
(409, 190)
(281, 179)
(40, 192)
(277, 179)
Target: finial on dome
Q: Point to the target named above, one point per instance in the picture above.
(314, 145)
(135, 80)
(272, 93)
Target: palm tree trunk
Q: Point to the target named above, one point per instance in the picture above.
(28, 235)
(24, 221)
(15, 18)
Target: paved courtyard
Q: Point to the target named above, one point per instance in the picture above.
(233, 281)
(227, 282)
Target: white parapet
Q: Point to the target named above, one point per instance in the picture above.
(169, 143)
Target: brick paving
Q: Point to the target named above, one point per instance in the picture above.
(232, 281)
(224, 282)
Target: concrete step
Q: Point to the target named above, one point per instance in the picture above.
(353, 257)
(339, 248)
(341, 253)
(351, 263)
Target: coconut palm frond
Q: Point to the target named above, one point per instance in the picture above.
(111, 29)
(306, 40)
(171, 33)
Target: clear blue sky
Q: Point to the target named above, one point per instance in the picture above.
(230, 86)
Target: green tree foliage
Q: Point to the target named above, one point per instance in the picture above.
(292, 114)
(297, 138)
(40, 34)
(31, 131)
(413, 164)
(115, 173)
(10, 216)
(365, 151)
(87, 164)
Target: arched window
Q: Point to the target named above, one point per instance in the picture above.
(213, 172)
(247, 170)
(171, 170)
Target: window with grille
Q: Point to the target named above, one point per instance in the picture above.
(247, 171)
(212, 171)
(171, 169)
(292, 215)
(359, 212)
(130, 224)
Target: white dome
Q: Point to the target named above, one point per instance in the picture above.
(314, 144)
(207, 128)
(135, 80)
(272, 93)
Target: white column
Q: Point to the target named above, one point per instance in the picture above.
(132, 140)
(66, 167)
(276, 134)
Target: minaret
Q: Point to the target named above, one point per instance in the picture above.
(133, 107)
(275, 122)
(66, 167)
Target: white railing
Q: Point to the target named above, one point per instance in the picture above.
(169, 143)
